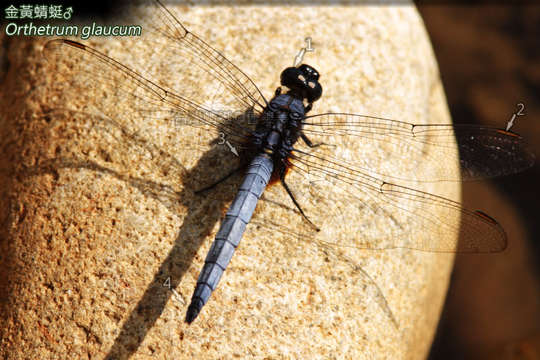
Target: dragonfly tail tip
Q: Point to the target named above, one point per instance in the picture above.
(191, 315)
(192, 312)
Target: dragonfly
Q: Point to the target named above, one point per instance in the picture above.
(280, 141)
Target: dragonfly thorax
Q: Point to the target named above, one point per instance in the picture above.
(280, 124)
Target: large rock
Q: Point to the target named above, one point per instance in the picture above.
(99, 213)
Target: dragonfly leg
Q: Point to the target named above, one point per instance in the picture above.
(309, 142)
(282, 179)
(200, 191)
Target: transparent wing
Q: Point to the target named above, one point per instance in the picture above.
(179, 91)
(179, 83)
(174, 43)
(482, 152)
(125, 93)
(391, 216)
(353, 172)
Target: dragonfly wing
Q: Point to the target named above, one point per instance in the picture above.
(189, 95)
(166, 35)
(392, 216)
(482, 152)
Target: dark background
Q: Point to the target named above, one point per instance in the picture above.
(489, 60)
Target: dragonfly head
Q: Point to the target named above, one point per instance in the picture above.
(303, 81)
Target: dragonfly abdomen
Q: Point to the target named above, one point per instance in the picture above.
(230, 232)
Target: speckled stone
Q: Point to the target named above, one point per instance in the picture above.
(97, 218)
